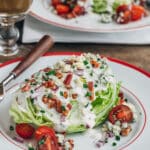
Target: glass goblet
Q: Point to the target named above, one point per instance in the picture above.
(11, 11)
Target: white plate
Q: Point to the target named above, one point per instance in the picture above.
(89, 22)
(136, 85)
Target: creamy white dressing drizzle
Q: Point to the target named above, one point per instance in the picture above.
(84, 115)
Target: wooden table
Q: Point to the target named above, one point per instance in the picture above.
(137, 55)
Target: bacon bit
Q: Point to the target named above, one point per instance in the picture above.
(26, 87)
(68, 79)
(69, 106)
(47, 69)
(121, 101)
(59, 75)
(68, 87)
(50, 84)
(65, 113)
(51, 104)
(45, 99)
(71, 142)
(91, 86)
(65, 94)
(126, 131)
(121, 95)
(54, 88)
(69, 62)
(74, 95)
(92, 96)
(58, 106)
(95, 64)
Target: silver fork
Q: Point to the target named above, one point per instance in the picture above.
(40, 48)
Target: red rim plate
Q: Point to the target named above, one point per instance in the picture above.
(112, 60)
(85, 29)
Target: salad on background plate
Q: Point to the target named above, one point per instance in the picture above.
(76, 95)
(93, 15)
(120, 11)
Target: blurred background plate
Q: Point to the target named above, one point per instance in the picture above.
(89, 22)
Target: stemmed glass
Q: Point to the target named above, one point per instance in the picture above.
(11, 11)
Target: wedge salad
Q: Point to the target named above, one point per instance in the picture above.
(73, 95)
(120, 11)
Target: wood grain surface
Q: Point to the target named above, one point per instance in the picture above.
(135, 54)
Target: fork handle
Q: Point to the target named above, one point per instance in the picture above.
(40, 48)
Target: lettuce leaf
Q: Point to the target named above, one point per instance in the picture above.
(31, 115)
(104, 102)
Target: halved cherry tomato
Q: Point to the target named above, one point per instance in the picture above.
(62, 9)
(55, 2)
(120, 113)
(68, 79)
(25, 130)
(78, 10)
(137, 12)
(123, 14)
(122, 8)
(46, 143)
(45, 130)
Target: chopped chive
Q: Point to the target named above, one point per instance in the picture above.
(102, 67)
(45, 78)
(32, 100)
(85, 62)
(11, 128)
(30, 148)
(61, 93)
(117, 137)
(26, 80)
(50, 95)
(114, 144)
(91, 74)
(87, 94)
(42, 111)
(106, 141)
(86, 105)
(32, 91)
(63, 108)
(95, 85)
(126, 100)
(88, 67)
(52, 72)
(98, 59)
(85, 85)
(41, 142)
(35, 83)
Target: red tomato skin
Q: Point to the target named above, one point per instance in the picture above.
(125, 110)
(55, 2)
(43, 131)
(68, 79)
(122, 8)
(25, 130)
(62, 9)
(137, 12)
(78, 10)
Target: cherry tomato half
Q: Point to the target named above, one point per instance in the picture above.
(47, 132)
(46, 143)
(120, 113)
